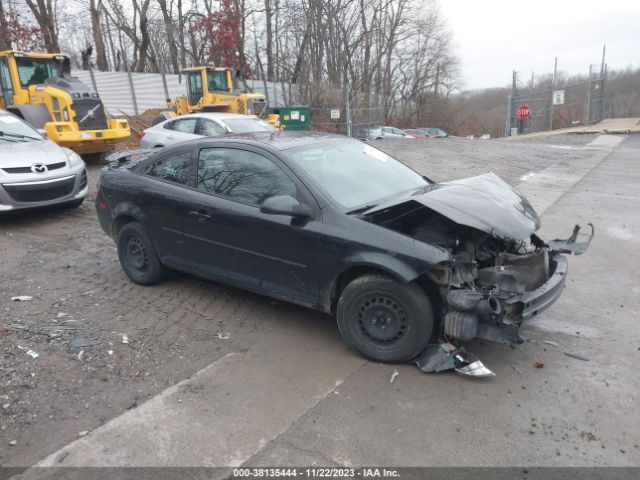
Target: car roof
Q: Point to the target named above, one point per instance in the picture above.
(276, 140)
(214, 115)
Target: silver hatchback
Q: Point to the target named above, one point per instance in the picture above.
(34, 171)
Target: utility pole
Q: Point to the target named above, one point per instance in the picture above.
(588, 112)
(347, 102)
(603, 74)
(507, 132)
(514, 95)
(555, 83)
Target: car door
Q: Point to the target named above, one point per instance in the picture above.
(161, 199)
(230, 239)
(180, 130)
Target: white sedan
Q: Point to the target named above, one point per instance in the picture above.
(198, 125)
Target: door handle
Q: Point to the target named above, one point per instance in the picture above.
(170, 137)
(201, 214)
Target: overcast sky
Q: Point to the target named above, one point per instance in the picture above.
(493, 37)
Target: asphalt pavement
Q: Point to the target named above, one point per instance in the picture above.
(283, 389)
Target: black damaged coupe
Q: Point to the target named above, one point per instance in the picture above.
(337, 225)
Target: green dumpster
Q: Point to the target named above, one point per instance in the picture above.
(294, 117)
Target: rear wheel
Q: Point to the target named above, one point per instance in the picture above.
(385, 320)
(138, 256)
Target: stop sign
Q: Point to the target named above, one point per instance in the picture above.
(524, 112)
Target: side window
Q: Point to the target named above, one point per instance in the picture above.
(209, 128)
(186, 125)
(174, 168)
(241, 175)
(195, 87)
(6, 87)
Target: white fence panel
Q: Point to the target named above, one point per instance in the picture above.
(115, 90)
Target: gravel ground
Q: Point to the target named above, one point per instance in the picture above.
(104, 345)
(453, 158)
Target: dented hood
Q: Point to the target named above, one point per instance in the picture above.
(485, 202)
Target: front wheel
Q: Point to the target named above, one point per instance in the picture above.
(385, 320)
(138, 256)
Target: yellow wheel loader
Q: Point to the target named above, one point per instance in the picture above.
(211, 89)
(39, 88)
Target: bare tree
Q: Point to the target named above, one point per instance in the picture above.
(95, 9)
(171, 34)
(44, 13)
(5, 39)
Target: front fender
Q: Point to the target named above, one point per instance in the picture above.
(389, 263)
(126, 209)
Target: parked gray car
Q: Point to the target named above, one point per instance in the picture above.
(36, 172)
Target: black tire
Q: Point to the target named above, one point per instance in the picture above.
(385, 320)
(138, 256)
(94, 158)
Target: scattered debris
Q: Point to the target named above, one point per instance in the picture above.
(393, 376)
(549, 342)
(5, 406)
(577, 356)
(82, 433)
(516, 369)
(80, 355)
(13, 443)
(22, 298)
(538, 365)
(81, 343)
(125, 338)
(445, 356)
(589, 436)
(62, 456)
(223, 335)
(110, 352)
(90, 292)
(29, 352)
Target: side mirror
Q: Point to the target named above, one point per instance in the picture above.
(42, 132)
(285, 205)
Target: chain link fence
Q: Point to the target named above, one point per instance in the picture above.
(357, 123)
(579, 103)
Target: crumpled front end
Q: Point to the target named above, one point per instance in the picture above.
(500, 273)
(489, 297)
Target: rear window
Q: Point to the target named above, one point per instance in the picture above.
(247, 125)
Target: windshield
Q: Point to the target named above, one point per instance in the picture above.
(355, 174)
(12, 128)
(247, 125)
(34, 71)
(217, 80)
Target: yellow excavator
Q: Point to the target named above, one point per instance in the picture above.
(39, 88)
(214, 89)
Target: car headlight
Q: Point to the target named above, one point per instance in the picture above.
(74, 159)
